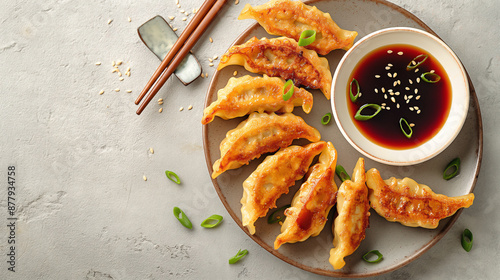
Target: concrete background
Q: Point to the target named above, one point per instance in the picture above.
(84, 209)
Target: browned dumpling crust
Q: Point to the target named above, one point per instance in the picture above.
(290, 18)
(353, 216)
(248, 94)
(259, 134)
(311, 204)
(272, 178)
(281, 57)
(409, 203)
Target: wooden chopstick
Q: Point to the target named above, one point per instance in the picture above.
(204, 9)
(179, 56)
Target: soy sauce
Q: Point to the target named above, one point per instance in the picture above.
(428, 106)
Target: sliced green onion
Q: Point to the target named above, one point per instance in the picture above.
(173, 177)
(183, 219)
(212, 221)
(367, 256)
(342, 173)
(419, 59)
(273, 218)
(326, 118)
(467, 240)
(430, 77)
(358, 90)
(361, 117)
(403, 124)
(452, 169)
(239, 255)
(307, 37)
(289, 93)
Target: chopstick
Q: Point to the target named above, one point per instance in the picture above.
(181, 48)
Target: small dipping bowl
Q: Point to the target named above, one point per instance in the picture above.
(459, 95)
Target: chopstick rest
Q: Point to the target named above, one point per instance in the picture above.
(159, 37)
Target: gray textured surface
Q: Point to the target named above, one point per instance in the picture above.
(85, 211)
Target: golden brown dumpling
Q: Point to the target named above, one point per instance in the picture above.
(281, 57)
(409, 203)
(272, 178)
(289, 18)
(255, 94)
(353, 216)
(311, 204)
(261, 133)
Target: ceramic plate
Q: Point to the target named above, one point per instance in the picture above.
(399, 244)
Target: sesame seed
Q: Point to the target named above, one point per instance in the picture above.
(397, 93)
(415, 107)
(399, 82)
(389, 51)
(418, 97)
(177, 2)
(110, 21)
(202, 75)
(397, 105)
(376, 90)
(129, 91)
(98, 63)
(113, 63)
(117, 89)
(184, 19)
(211, 40)
(383, 90)
(119, 74)
(195, 10)
(393, 99)
(175, 29)
(410, 81)
(383, 104)
(216, 57)
(211, 60)
(129, 19)
(181, 108)
(390, 90)
(391, 93)
(160, 110)
(418, 112)
(411, 108)
(412, 124)
(388, 108)
(211, 64)
(151, 150)
(179, 6)
(418, 80)
(186, 13)
(377, 76)
(407, 88)
(119, 62)
(389, 74)
(395, 83)
(115, 70)
(383, 107)
(182, 11)
(206, 75)
(144, 177)
(410, 97)
(400, 53)
(389, 64)
(385, 96)
(394, 75)
(432, 71)
(387, 68)
(413, 62)
(160, 102)
(171, 17)
(407, 101)
(236, 2)
(416, 70)
(359, 94)
(416, 90)
(406, 97)
(190, 107)
(235, 73)
(121, 79)
(101, 92)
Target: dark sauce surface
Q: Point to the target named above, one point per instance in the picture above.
(433, 100)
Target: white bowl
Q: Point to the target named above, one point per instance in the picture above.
(459, 99)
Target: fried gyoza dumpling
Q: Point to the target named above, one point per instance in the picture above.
(311, 204)
(409, 203)
(261, 133)
(353, 216)
(272, 178)
(281, 57)
(255, 94)
(290, 18)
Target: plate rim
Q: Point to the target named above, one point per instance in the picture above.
(479, 153)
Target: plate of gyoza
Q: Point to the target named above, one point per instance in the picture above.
(273, 159)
